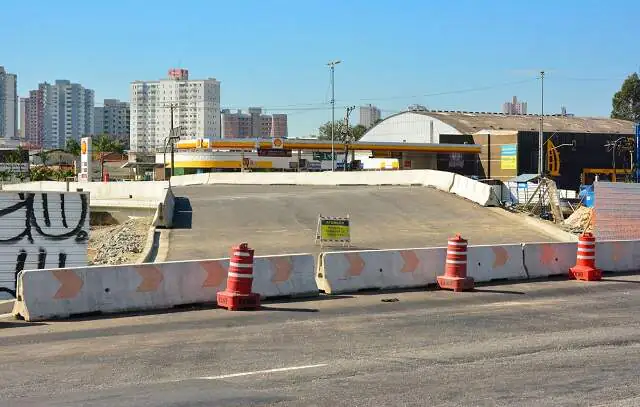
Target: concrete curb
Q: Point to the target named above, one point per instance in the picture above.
(149, 252)
(6, 306)
(548, 228)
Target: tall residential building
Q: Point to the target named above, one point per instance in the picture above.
(369, 115)
(30, 125)
(514, 107)
(195, 105)
(8, 105)
(253, 124)
(112, 118)
(57, 112)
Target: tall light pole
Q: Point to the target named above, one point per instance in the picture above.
(541, 135)
(332, 66)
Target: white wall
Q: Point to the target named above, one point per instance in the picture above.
(41, 230)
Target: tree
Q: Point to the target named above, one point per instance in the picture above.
(340, 132)
(73, 147)
(357, 132)
(104, 145)
(626, 102)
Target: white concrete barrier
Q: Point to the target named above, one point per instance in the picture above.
(59, 293)
(349, 271)
(496, 262)
(549, 259)
(618, 256)
(441, 180)
(473, 190)
(192, 179)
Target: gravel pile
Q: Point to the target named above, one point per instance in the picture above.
(119, 244)
(578, 220)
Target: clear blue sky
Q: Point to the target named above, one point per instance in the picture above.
(272, 53)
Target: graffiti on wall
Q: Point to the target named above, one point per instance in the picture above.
(41, 230)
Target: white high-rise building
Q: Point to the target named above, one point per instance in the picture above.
(112, 118)
(63, 111)
(8, 105)
(369, 115)
(196, 110)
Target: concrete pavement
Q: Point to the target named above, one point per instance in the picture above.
(545, 343)
(282, 219)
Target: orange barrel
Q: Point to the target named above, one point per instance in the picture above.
(586, 251)
(240, 276)
(456, 263)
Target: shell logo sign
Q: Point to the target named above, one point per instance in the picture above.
(83, 147)
(277, 143)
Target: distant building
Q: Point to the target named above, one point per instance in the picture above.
(253, 124)
(56, 112)
(113, 118)
(369, 115)
(196, 110)
(514, 107)
(8, 105)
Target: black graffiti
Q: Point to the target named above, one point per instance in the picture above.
(31, 223)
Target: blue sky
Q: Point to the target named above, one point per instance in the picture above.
(273, 53)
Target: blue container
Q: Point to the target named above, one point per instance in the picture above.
(587, 195)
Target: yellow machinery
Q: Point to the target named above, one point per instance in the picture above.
(608, 174)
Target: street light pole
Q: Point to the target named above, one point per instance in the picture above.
(541, 135)
(332, 66)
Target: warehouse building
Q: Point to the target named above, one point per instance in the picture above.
(574, 147)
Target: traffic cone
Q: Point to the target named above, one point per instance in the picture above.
(455, 272)
(238, 293)
(585, 268)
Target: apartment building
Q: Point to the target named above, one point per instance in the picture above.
(253, 124)
(112, 118)
(194, 104)
(8, 104)
(369, 115)
(56, 112)
(514, 107)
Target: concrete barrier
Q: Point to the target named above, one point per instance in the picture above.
(618, 256)
(473, 190)
(496, 262)
(349, 271)
(549, 259)
(59, 293)
(439, 179)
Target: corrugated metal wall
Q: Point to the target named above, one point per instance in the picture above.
(41, 230)
(617, 211)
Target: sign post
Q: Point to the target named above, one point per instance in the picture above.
(85, 160)
(333, 230)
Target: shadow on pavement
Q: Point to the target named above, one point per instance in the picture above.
(18, 324)
(289, 309)
(486, 290)
(182, 213)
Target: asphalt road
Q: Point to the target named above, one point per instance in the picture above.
(550, 343)
(282, 219)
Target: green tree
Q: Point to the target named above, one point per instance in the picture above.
(72, 147)
(104, 145)
(626, 102)
(357, 132)
(324, 131)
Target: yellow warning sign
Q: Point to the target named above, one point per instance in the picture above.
(332, 229)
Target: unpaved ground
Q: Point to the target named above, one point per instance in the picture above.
(118, 244)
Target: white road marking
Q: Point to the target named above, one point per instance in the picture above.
(281, 369)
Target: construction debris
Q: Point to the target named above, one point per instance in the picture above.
(118, 244)
(579, 220)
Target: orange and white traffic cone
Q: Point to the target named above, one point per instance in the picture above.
(585, 268)
(455, 272)
(238, 293)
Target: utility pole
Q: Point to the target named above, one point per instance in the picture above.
(332, 66)
(347, 139)
(541, 135)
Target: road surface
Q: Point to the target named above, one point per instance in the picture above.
(282, 219)
(545, 343)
